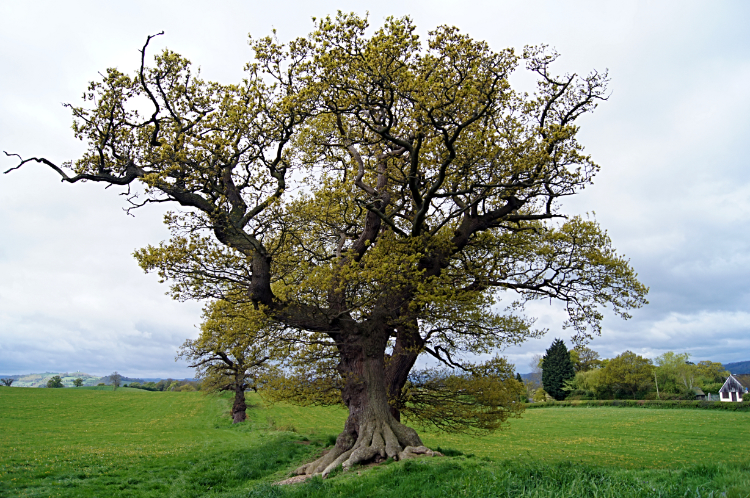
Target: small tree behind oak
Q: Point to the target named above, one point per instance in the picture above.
(234, 352)
(78, 382)
(115, 379)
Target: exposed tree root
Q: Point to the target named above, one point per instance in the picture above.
(293, 480)
(378, 440)
(417, 451)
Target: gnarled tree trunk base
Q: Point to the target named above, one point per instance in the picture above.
(239, 407)
(378, 440)
(239, 416)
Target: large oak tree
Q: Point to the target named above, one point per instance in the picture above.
(379, 195)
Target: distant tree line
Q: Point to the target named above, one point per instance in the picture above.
(167, 385)
(580, 374)
(115, 380)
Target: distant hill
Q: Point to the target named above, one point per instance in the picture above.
(738, 367)
(530, 377)
(125, 380)
(40, 379)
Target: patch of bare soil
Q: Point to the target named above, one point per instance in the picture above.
(294, 480)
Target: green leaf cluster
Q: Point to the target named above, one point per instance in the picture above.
(474, 403)
(237, 349)
(629, 373)
(55, 382)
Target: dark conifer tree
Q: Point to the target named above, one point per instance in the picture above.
(556, 369)
(518, 378)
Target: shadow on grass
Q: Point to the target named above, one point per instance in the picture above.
(208, 471)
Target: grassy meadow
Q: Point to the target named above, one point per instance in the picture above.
(90, 442)
(621, 437)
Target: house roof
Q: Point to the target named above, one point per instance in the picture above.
(732, 384)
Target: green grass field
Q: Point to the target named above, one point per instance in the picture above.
(621, 437)
(89, 442)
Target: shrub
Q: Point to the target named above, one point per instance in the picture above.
(540, 395)
(55, 381)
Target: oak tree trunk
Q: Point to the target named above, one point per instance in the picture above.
(371, 432)
(239, 407)
(408, 345)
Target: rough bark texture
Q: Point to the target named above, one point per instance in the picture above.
(371, 432)
(239, 407)
(398, 365)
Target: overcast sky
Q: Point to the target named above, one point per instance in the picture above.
(673, 191)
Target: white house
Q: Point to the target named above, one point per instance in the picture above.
(732, 390)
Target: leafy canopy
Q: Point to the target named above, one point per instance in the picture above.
(628, 373)
(360, 166)
(477, 402)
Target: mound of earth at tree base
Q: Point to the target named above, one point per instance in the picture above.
(408, 453)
